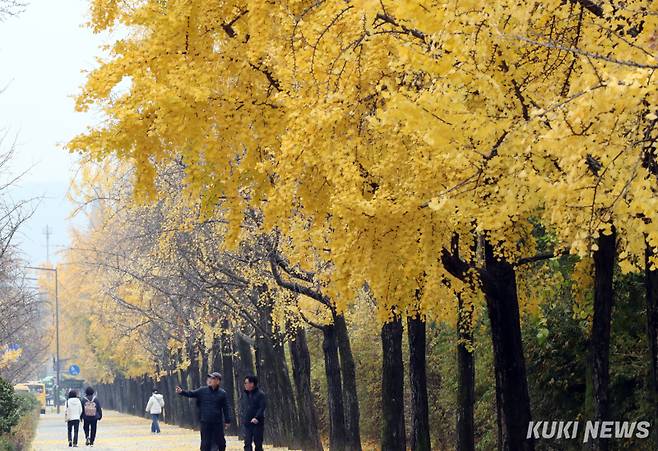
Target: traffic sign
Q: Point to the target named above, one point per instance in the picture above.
(74, 370)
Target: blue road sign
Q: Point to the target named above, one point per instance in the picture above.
(74, 370)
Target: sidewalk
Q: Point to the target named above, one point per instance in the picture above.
(119, 432)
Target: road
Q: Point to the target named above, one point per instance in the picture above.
(118, 432)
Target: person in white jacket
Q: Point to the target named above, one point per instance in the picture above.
(72, 416)
(154, 408)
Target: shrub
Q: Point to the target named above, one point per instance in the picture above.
(27, 403)
(23, 433)
(19, 414)
(9, 407)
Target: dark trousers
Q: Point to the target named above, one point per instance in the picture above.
(74, 427)
(253, 433)
(212, 434)
(90, 430)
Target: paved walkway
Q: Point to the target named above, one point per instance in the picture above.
(119, 432)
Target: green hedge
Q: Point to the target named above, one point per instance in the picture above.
(9, 413)
(19, 414)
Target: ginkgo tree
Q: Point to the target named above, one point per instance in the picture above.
(156, 278)
(377, 132)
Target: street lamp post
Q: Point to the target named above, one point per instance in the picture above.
(57, 369)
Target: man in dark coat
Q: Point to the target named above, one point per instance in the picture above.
(213, 412)
(92, 413)
(252, 408)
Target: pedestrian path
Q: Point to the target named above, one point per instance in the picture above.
(119, 432)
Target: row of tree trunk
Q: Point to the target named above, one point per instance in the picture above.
(292, 415)
(498, 281)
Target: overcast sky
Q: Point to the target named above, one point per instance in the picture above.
(43, 54)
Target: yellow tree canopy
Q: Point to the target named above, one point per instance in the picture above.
(372, 131)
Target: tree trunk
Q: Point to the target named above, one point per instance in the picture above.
(187, 410)
(651, 286)
(133, 396)
(195, 380)
(288, 395)
(244, 366)
(420, 431)
(604, 265)
(350, 395)
(195, 375)
(171, 409)
(499, 286)
(216, 362)
(337, 432)
(393, 432)
(274, 427)
(117, 401)
(228, 381)
(282, 424)
(301, 370)
(466, 379)
(205, 367)
(147, 387)
(166, 390)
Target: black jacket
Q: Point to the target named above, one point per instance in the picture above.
(213, 404)
(99, 409)
(252, 405)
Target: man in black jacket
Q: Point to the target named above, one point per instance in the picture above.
(92, 413)
(252, 407)
(213, 412)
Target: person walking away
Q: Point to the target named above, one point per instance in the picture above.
(213, 412)
(252, 408)
(92, 413)
(72, 416)
(154, 408)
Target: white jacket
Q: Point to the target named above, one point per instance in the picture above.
(73, 409)
(155, 404)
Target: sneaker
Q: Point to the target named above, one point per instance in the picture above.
(87, 443)
(70, 444)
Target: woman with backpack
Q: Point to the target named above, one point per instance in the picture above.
(154, 408)
(92, 413)
(72, 416)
